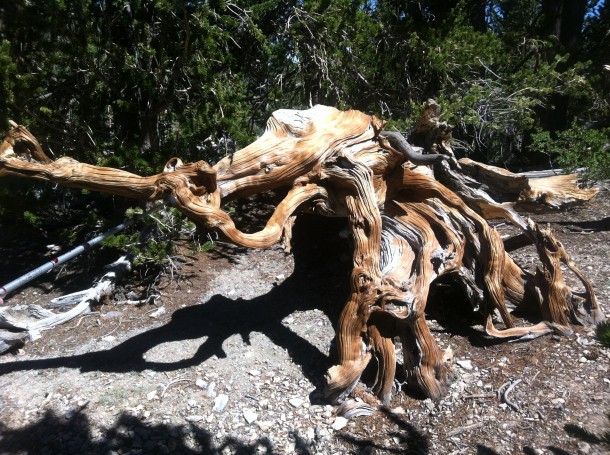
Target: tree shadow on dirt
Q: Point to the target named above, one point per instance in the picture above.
(411, 441)
(53, 434)
(320, 281)
(594, 225)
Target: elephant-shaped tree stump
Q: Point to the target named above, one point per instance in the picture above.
(409, 224)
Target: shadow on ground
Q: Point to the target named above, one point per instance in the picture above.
(320, 281)
(53, 434)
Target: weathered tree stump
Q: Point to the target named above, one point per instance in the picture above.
(409, 224)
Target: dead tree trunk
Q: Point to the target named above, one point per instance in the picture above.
(410, 225)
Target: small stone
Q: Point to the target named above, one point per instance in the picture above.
(584, 447)
(220, 402)
(211, 387)
(465, 364)
(310, 434)
(109, 338)
(70, 413)
(322, 434)
(339, 423)
(296, 402)
(254, 373)
(151, 396)
(429, 404)
(201, 383)
(194, 418)
(250, 415)
(158, 312)
(264, 425)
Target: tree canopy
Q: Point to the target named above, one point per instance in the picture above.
(129, 83)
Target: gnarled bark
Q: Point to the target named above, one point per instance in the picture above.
(410, 225)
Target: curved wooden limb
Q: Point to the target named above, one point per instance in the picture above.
(559, 302)
(397, 142)
(381, 333)
(423, 360)
(214, 218)
(556, 191)
(354, 181)
(525, 333)
(199, 177)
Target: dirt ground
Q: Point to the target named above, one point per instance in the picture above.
(253, 330)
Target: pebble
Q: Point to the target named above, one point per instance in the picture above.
(151, 395)
(250, 415)
(339, 423)
(194, 418)
(429, 404)
(201, 383)
(465, 364)
(322, 434)
(265, 425)
(211, 387)
(296, 402)
(70, 413)
(158, 312)
(220, 402)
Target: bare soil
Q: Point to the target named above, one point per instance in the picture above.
(255, 327)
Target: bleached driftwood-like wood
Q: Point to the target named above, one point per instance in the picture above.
(409, 226)
(554, 191)
(34, 318)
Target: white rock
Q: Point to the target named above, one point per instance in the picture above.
(211, 392)
(194, 418)
(109, 338)
(158, 312)
(264, 425)
(465, 364)
(201, 383)
(250, 415)
(220, 402)
(429, 404)
(254, 373)
(339, 423)
(296, 402)
(151, 396)
(322, 434)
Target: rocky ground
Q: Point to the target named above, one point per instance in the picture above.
(231, 359)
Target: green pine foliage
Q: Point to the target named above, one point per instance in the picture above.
(131, 83)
